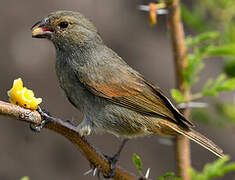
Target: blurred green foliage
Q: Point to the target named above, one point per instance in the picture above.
(210, 171)
(213, 170)
(210, 15)
(213, 87)
(203, 46)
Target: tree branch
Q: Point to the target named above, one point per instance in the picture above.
(182, 144)
(65, 129)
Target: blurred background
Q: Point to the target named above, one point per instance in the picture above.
(126, 30)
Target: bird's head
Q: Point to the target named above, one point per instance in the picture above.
(63, 27)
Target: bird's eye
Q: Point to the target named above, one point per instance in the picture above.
(63, 24)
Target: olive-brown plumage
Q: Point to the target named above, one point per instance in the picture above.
(112, 96)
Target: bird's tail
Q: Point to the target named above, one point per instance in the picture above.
(198, 138)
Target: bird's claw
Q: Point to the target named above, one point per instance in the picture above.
(45, 116)
(112, 161)
(38, 128)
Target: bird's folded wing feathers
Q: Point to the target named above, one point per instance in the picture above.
(131, 90)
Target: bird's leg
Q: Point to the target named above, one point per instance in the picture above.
(114, 159)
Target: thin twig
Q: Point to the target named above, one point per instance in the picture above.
(192, 105)
(160, 11)
(95, 158)
(182, 145)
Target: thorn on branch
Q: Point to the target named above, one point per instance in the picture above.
(87, 172)
(94, 172)
(147, 173)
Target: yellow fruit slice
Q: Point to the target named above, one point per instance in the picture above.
(22, 96)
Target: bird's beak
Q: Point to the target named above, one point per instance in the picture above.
(42, 29)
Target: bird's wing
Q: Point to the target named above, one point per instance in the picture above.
(126, 87)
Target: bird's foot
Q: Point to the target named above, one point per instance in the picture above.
(112, 161)
(46, 118)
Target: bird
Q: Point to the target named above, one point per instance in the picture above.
(112, 96)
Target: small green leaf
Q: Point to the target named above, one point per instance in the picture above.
(169, 175)
(227, 85)
(223, 50)
(166, 175)
(25, 178)
(177, 96)
(138, 162)
(212, 88)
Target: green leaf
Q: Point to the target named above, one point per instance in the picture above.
(138, 162)
(224, 50)
(25, 178)
(169, 175)
(227, 85)
(212, 88)
(177, 96)
(195, 64)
